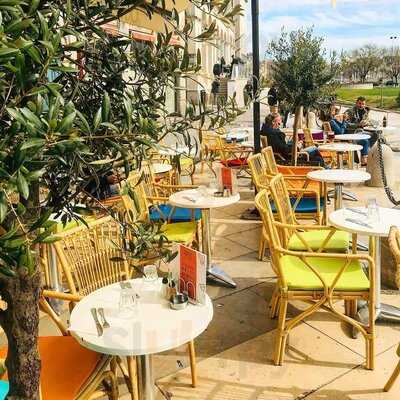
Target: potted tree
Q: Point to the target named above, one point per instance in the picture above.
(65, 121)
(301, 72)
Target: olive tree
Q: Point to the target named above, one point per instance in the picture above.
(69, 115)
(301, 72)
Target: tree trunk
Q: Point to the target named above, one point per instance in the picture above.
(21, 325)
(297, 118)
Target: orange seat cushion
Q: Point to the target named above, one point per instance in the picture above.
(66, 366)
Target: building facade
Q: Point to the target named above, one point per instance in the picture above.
(228, 41)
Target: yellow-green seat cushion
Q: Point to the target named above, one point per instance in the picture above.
(185, 162)
(299, 276)
(339, 241)
(181, 232)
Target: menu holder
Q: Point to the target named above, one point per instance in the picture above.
(227, 179)
(189, 270)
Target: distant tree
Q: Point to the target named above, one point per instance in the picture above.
(301, 72)
(391, 63)
(363, 61)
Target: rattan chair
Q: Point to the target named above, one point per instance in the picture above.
(318, 278)
(60, 356)
(137, 208)
(394, 244)
(303, 205)
(85, 257)
(309, 141)
(296, 178)
(209, 150)
(235, 156)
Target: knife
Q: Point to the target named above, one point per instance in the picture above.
(97, 322)
(355, 210)
(355, 221)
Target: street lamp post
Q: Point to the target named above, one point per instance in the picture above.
(256, 73)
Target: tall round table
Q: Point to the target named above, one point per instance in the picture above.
(338, 177)
(340, 149)
(352, 136)
(184, 199)
(160, 168)
(154, 329)
(388, 217)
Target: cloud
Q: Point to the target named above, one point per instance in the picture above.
(352, 24)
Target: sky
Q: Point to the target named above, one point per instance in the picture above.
(351, 24)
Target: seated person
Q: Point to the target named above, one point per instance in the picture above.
(104, 187)
(358, 116)
(339, 125)
(277, 140)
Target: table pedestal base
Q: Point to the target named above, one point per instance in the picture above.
(216, 274)
(145, 377)
(386, 313)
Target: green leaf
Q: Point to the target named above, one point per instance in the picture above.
(97, 119)
(105, 108)
(66, 123)
(3, 207)
(34, 142)
(22, 185)
(8, 51)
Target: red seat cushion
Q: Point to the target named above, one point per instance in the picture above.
(237, 162)
(66, 366)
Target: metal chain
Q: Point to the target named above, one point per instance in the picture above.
(388, 190)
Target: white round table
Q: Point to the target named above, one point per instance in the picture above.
(154, 329)
(160, 168)
(192, 199)
(353, 136)
(236, 136)
(359, 224)
(338, 177)
(176, 150)
(340, 149)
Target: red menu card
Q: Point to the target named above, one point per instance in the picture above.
(190, 270)
(227, 179)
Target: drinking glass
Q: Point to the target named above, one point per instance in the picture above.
(128, 303)
(202, 189)
(372, 211)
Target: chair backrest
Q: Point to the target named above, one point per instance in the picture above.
(86, 253)
(133, 195)
(264, 141)
(326, 126)
(308, 138)
(258, 169)
(284, 208)
(263, 202)
(270, 162)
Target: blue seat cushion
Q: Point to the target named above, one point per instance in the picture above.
(306, 205)
(3, 389)
(173, 214)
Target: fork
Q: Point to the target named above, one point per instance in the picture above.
(101, 313)
(97, 322)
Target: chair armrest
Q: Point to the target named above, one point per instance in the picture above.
(306, 227)
(177, 187)
(351, 256)
(62, 296)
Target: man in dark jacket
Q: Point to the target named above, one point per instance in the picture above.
(277, 140)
